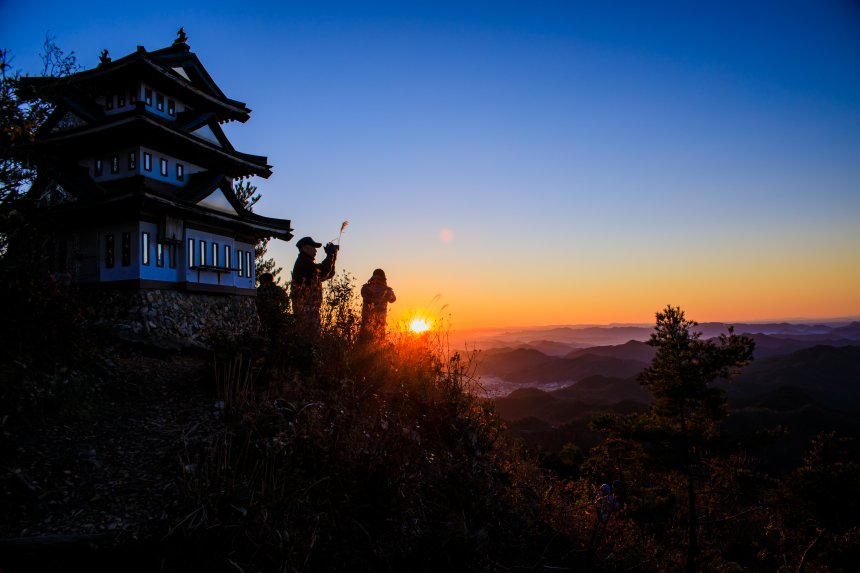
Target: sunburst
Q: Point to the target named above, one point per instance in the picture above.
(419, 325)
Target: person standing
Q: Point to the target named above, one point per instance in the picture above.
(272, 305)
(375, 296)
(308, 276)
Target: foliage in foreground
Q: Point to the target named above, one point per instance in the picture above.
(362, 457)
(343, 456)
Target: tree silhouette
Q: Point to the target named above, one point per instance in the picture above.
(38, 311)
(21, 115)
(679, 432)
(248, 195)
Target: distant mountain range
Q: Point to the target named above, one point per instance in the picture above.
(525, 363)
(533, 367)
(558, 341)
(805, 378)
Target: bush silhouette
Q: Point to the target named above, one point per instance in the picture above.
(361, 457)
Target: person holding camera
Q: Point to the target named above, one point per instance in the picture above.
(308, 276)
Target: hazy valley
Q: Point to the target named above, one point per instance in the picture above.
(547, 383)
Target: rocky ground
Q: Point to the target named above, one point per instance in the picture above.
(106, 469)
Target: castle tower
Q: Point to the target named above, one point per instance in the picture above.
(138, 173)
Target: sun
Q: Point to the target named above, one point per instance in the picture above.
(419, 325)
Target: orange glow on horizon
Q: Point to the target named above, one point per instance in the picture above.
(708, 289)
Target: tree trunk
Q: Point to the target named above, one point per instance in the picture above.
(692, 527)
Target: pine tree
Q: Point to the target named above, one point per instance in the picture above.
(686, 408)
(679, 432)
(248, 195)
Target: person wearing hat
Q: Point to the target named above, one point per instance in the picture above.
(308, 276)
(375, 296)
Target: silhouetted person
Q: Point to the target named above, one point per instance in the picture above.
(272, 305)
(308, 276)
(375, 296)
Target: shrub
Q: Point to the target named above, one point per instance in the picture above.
(363, 457)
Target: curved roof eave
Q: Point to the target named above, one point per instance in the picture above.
(232, 109)
(255, 163)
(273, 227)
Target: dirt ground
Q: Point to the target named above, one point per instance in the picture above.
(108, 471)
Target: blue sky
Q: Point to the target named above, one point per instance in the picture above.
(592, 161)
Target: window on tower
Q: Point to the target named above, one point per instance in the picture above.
(180, 171)
(147, 161)
(163, 167)
(144, 248)
(109, 101)
(126, 249)
(109, 252)
(171, 107)
(132, 160)
(98, 168)
(190, 254)
(159, 102)
(114, 164)
(147, 96)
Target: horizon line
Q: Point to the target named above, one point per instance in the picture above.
(794, 320)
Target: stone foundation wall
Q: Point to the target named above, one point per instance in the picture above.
(168, 316)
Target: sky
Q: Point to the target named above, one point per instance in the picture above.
(513, 164)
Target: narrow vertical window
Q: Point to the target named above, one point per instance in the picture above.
(241, 262)
(171, 107)
(159, 102)
(114, 164)
(126, 249)
(228, 259)
(202, 261)
(159, 254)
(190, 253)
(132, 160)
(214, 254)
(132, 97)
(163, 167)
(147, 161)
(109, 251)
(98, 167)
(248, 264)
(144, 248)
(171, 255)
(180, 171)
(147, 96)
(120, 102)
(109, 101)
